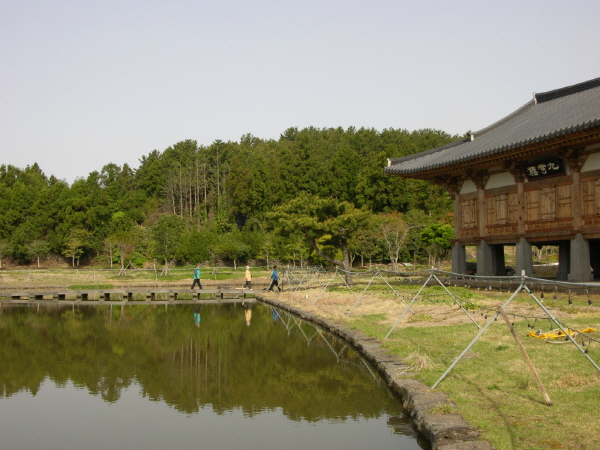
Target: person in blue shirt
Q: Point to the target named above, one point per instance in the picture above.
(197, 278)
(274, 280)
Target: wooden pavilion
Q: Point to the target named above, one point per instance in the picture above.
(532, 178)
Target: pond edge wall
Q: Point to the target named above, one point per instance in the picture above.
(442, 431)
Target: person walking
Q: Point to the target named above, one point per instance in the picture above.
(197, 278)
(274, 280)
(247, 278)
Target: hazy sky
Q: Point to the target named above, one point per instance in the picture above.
(84, 82)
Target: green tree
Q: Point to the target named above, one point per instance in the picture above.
(37, 249)
(297, 249)
(437, 236)
(366, 243)
(4, 250)
(322, 222)
(232, 247)
(394, 231)
(168, 233)
(198, 246)
(122, 236)
(75, 243)
(110, 246)
(267, 249)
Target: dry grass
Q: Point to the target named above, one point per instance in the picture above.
(491, 386)
(418, 362)
(573, 380)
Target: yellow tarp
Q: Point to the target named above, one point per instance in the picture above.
(558, 333)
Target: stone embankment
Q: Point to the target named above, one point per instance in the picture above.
(442, 431)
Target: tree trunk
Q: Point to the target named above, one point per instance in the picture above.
(345, 264)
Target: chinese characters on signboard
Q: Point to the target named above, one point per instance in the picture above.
(544, 168)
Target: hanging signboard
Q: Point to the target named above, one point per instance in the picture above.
(542, 168)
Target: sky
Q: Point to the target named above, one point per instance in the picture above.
(85, 83)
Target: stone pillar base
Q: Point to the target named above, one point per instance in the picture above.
(459, 259)
(580, 260)
(564, 260)
(485, 259)
(524, 258)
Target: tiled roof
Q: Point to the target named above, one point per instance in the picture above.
(550, 114)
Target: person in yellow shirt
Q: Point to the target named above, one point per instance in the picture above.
(247, 278)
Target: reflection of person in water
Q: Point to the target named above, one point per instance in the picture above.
(274, 314)
(197, 316)
(248, 313)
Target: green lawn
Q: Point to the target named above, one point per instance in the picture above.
(493, 387)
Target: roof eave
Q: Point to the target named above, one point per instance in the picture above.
(518, 151)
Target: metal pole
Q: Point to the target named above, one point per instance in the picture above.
(481, 331)
(409, 305)
(456, 301)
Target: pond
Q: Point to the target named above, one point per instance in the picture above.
(212, 377)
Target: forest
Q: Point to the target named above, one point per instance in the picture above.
(314, 196)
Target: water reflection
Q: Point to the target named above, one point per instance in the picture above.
(251, 365)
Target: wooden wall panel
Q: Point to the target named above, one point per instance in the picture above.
(469, 213)
(588, 191)
(513, 207)
(548, 203)
(532, 205)
(564, 200)
(501, 209)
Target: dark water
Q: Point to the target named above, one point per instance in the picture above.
(219, 377)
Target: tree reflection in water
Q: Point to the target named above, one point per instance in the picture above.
(251, 359)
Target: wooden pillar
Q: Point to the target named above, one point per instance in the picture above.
(480, 179)
(453, 186)
(521, 204)
(579, 257)
(459, 258)
(575, 160)
(457, 216)
(576, 198)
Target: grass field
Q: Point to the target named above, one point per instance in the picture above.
(491, 386)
